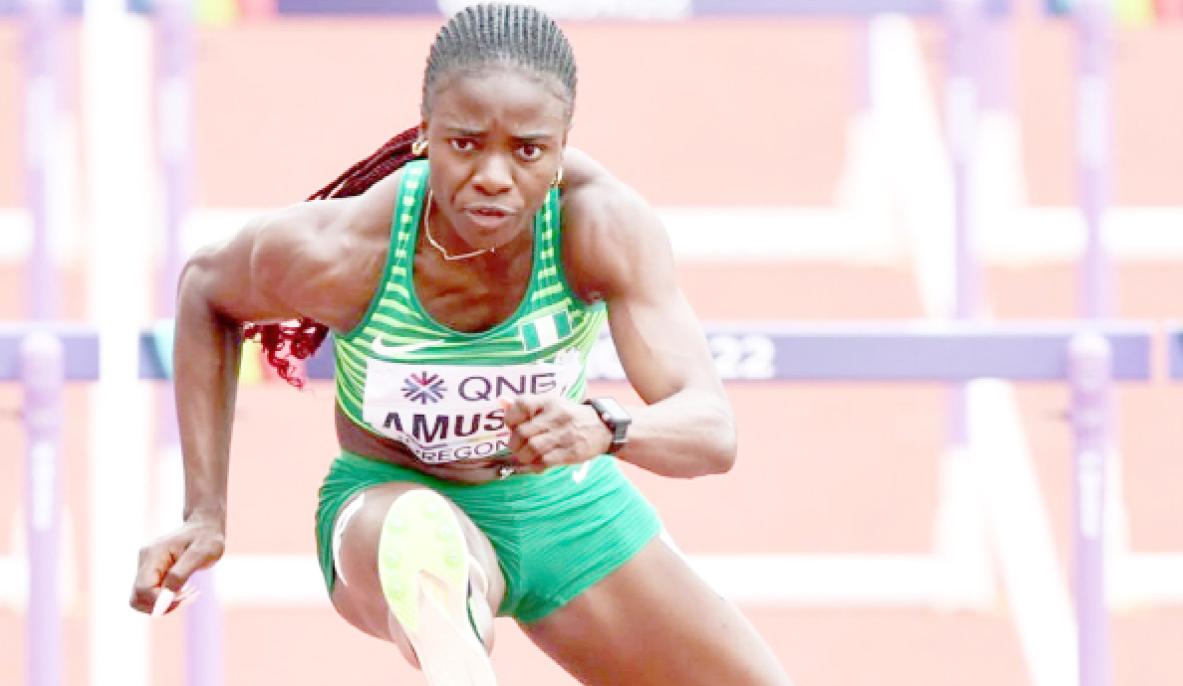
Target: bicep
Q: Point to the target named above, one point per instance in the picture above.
(658, 337)
(661, 345)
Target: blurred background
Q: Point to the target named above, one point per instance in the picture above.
(799, 153)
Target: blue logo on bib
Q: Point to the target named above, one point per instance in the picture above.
(424, 388)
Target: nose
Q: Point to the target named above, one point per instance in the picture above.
(494, 175)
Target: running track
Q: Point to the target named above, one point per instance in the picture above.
(823, 469)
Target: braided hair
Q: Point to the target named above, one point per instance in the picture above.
(476, 38)
(484, 35)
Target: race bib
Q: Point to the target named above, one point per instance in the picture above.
(449, 413)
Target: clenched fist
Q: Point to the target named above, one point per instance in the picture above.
(549, 431)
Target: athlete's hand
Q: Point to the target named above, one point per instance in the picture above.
(168, 562)
(549, 431)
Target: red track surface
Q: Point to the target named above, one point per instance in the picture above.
(826, 468)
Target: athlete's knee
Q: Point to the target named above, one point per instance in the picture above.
(355, 533)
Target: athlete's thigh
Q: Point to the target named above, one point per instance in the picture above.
(654, 622)
(357, 593)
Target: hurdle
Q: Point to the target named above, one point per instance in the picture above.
(39, 359)
(1085, 356)
(203, 625)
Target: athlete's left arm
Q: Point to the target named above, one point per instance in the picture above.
(616, 249)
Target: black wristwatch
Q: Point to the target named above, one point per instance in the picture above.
(615, 418)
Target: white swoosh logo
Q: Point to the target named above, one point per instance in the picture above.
(382, 350)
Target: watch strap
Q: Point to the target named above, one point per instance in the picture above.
(612, 414)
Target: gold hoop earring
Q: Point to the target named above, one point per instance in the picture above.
(558, 180)
(419, 147)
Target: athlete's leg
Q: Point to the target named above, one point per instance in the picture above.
(654, 622)
(403, 520)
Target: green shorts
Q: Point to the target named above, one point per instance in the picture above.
(556, 534)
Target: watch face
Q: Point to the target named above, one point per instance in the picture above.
(613, 409)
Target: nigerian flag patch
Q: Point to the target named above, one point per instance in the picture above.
(545, 331)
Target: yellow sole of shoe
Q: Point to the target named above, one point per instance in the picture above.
(423, 569)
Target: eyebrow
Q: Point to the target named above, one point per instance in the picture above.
(468, 133)
(478, 133)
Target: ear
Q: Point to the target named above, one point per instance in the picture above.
(563, 146)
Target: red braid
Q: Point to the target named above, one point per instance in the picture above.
(299, 340)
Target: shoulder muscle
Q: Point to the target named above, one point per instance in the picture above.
(614, 240)
(304, 260)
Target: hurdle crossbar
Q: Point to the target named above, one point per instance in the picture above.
(890, 351)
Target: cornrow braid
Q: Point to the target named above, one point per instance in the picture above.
(476, 37)
(500, 33)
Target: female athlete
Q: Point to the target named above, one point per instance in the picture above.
(465, 271)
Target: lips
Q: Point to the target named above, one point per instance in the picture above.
(489, 217)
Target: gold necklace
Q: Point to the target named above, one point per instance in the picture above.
(427, 230)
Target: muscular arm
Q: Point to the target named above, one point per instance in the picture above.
(617, 250)
(312, 260)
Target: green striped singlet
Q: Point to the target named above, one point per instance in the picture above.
(402, 375)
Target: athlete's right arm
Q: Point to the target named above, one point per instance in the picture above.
(302, 261)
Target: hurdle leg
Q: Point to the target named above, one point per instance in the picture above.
(1090, 362)
(42, 373)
